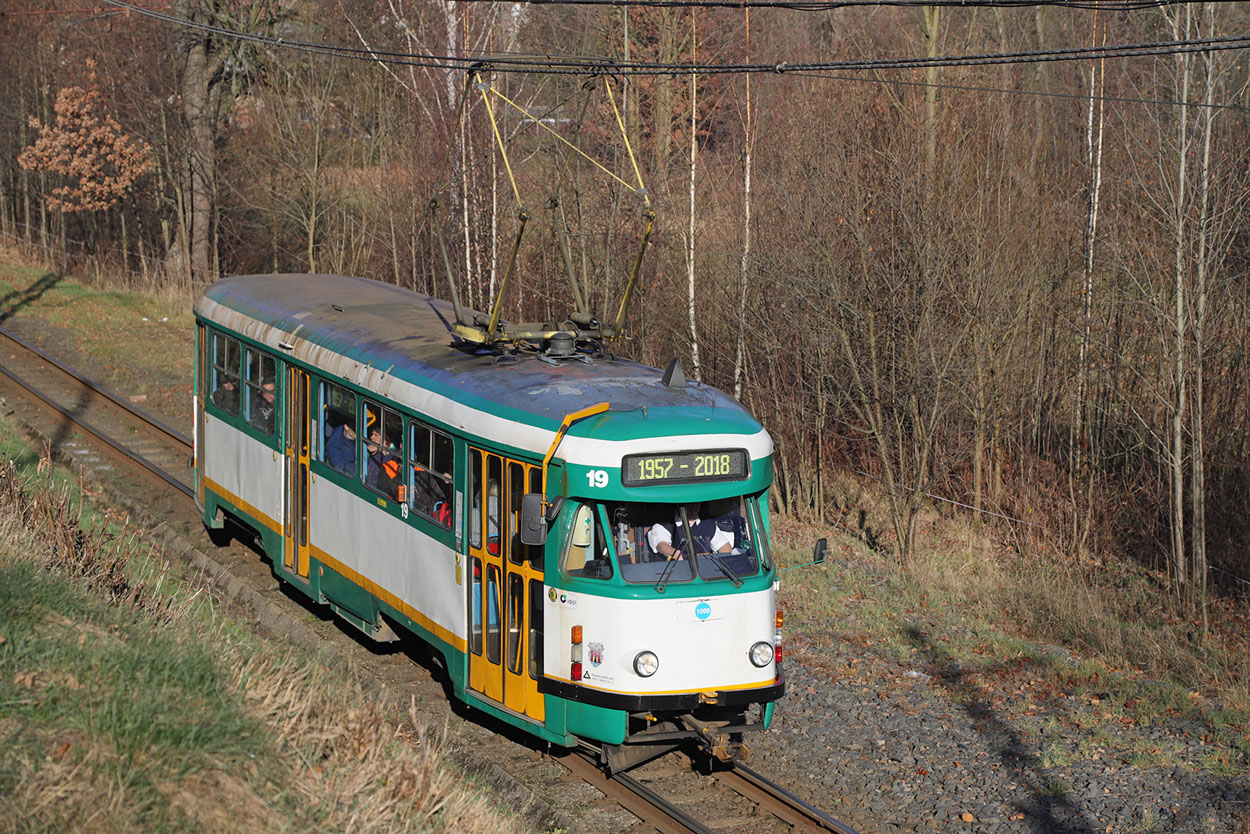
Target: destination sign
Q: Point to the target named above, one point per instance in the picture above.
(685, 467)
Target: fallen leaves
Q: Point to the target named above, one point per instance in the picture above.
(39, 681)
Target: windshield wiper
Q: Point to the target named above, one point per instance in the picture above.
(672, 560)
(714, 557)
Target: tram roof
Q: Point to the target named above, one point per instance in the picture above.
(409, 336)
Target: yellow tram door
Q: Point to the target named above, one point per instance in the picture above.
(506, 585)
(486, 575)
(523, 598)
(295, 526)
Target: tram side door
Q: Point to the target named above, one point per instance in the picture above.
(295, 525)
(505, 593)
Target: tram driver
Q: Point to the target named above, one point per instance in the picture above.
(669, 540)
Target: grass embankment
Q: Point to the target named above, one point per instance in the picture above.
(1095, 652)
(128, 704)
(139, 345)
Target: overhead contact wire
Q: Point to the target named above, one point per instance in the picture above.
(582, 66)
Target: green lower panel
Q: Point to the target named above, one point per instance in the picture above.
(769, 709)
(554, 714)
(543, 731)
(346, 594)
(601, 723)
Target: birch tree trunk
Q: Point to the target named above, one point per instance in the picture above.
(1198, 464)
(1177, 463)
(745, 264)
(696, 368)
(1093, 144)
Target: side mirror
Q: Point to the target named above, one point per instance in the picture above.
(533, 522)
(818, 553)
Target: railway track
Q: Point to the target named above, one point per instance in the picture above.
(74, 402)
(124, 444)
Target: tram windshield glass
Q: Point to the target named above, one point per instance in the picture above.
(652, 545)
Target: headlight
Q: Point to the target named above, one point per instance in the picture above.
(646, 663)
(761, 654)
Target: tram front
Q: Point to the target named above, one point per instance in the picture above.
(660, 622)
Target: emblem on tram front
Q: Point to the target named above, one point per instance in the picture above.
(596, 653)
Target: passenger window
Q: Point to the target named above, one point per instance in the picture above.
(431, 462)
(587, 554)
(338, 427)
(384, 450)
(225, 374)
(261, 390)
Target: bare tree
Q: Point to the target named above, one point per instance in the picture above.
(216, 70)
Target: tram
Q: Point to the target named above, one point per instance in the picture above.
(582, 540)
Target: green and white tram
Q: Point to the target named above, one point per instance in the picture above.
(584, 540)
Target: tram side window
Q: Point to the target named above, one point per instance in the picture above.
(338, 427)
(384, 444)
(260, 385)
(431, 462)
(226, 357)
(587, 554)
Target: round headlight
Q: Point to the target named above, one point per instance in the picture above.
(646, 663)
(761, 654)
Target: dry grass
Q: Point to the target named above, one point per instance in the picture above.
(103, 661)
(994, 599)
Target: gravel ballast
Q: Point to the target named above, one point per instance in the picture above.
(915, 753)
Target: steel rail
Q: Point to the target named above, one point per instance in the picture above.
(758, 787)
(170, 432)
(641, 803)
(661, 804)
(120, 448)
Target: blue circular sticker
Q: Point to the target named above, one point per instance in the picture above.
(703, 611)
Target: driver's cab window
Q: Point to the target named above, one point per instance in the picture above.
(674, 541)
(587, 552)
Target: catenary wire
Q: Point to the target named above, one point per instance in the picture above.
(1018, 92)
(563, 65)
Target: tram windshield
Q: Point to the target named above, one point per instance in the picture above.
(650, 542)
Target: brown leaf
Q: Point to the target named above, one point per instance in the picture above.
(966, 817)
